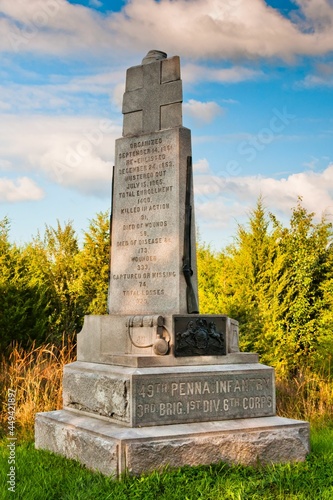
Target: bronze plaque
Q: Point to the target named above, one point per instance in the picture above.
(200, 335)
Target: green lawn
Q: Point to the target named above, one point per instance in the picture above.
(40, 475)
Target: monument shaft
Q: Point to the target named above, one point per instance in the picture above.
(152, 197)
(148, 217)
(155, 382)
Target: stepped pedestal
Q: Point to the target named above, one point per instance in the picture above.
(155, 382)
(145, 412)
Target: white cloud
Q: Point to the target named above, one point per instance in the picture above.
(215, 29)
(318, 14)
(62, 93)
(75, 152)
(4, 106)
(317, 81)
(5, 165)
(221, 199)
(53, 27)
(21, 189)
(230, 101)
(203, 112)
(313, 163)
(30, 97)
(95, 3)
(198, 29)
(117, 97)
(192, 73)
(201, 166)
(99, 83)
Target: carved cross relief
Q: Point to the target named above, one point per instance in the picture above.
(153, 97)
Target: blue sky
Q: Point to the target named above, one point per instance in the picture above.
(257, 80)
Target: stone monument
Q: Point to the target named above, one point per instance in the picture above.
(156, 383)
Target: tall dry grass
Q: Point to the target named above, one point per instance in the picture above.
(309, 396)
(36, 376)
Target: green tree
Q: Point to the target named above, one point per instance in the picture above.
(48, 285)
(210, 265)
(248, 276)
(61, 249)
(8, 292)
(277, 282)
(24, 305)
(6, 251)
(303, 322)
(94, 264)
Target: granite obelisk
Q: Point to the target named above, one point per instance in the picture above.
(155, 382)
(152, 179)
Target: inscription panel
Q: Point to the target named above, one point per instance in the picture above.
(182, 398)
(145, 254)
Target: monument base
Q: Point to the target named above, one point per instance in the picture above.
(114, 450)
(154, 396)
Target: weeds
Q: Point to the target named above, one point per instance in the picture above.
(36, 376)
(309, 396)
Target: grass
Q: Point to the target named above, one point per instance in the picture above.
(36, 378)
(309, 396)
(41, 475)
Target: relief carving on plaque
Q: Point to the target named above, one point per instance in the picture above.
(200, 338)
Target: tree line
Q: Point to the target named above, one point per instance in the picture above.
(276, 280)
(49, 284)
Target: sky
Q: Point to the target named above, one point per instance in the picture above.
(257, 85)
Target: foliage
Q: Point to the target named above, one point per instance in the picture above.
(94, 264)
(211, 288)
(23, 306)
(278, 283)
(307, 396)
(40, 475)
(61, 248)
(48, 285)
(36, 376)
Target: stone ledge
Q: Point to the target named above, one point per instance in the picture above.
(170, 361)
(138, 397)
(113, 449)
(107, 339)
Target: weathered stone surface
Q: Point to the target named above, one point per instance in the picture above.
(106, 335)
(153, 56)
(170, 395)
(62, 433)
(110, 338)
(153, 96)
(241, 358)
(98, 334)
(247, 447)
(112, 449)
(98, 390)
(148, 224)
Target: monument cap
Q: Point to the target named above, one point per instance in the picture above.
(154, 55)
